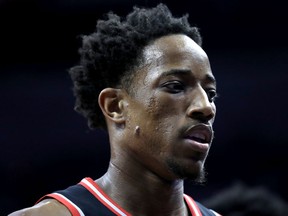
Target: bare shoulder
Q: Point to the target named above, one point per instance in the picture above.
(46, 207)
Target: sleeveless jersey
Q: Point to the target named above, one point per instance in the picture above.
(88, 199)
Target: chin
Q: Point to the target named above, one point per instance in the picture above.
(200, 178)
(196, 173)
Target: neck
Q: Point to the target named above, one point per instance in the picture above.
(129, 186)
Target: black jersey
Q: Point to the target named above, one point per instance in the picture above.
(88, 199)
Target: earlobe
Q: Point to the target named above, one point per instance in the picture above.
(111, 103)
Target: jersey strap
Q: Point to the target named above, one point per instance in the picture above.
(99, 194)
(72, 207)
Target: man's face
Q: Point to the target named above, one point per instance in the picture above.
(173, 109)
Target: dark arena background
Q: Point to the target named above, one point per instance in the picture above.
(46, 145)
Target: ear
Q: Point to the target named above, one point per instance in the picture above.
(111, 103)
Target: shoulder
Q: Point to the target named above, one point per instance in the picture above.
(46, 207)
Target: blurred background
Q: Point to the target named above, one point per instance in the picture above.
(46, 145)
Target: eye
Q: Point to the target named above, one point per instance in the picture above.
(212, 95)
(174, 87)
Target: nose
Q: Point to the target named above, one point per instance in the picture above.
(201, 108)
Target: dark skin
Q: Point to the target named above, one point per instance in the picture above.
(159, 135)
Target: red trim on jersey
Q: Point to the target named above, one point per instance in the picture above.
(96, 187)
(97, 192)
(194, 209)
(62, 200)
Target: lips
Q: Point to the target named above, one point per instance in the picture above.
(199, 137)
(201, 133)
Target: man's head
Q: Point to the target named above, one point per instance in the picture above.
(159, 108)
(109, 55)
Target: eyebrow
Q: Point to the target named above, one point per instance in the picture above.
(208, 77)
(176, 72)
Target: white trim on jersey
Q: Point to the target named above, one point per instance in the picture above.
(103, 198)
(217, 214)
(69, 201)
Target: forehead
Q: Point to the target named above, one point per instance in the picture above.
(172, 44)
(175, 52)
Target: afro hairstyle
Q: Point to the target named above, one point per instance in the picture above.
(109, 54)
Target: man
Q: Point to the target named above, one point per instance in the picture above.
(147, 81)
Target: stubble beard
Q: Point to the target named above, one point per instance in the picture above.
(196, 176)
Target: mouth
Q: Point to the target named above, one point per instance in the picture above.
(200, 133)
(199, 137)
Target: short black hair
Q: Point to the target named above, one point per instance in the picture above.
(109, 54)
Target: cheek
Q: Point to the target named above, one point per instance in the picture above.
(163, 107)
(214, 109)
(157, 116)
(162, 116)
(158, 120)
